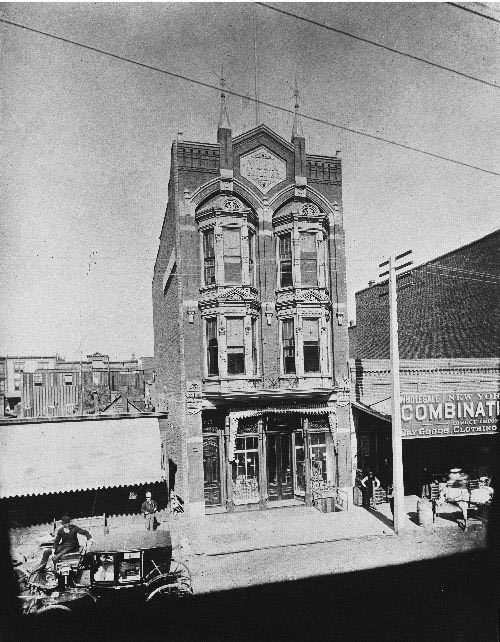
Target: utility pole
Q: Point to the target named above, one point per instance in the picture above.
(397, 442)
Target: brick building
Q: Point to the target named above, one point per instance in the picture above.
(449, 338)
(251, 348)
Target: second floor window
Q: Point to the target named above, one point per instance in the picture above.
(285, 259)
(310, 332)
(232, 255)
(212, 348)
(209, 257)
(288, 347)
(235, 346)
(254, 345)
(308, 259)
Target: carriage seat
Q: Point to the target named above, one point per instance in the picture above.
(70, 559)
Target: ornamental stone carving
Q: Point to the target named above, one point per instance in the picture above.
(263, 168)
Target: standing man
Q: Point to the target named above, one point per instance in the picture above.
(148, 509)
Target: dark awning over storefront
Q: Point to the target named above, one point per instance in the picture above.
(41, 458)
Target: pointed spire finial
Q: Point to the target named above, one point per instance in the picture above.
(297, 127)
(224, 116)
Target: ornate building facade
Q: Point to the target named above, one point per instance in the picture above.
(251, 347)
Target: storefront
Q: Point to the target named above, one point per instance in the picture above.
(440, 430)
(267, 457)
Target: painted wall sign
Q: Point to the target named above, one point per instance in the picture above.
(448, 414)
(263, 168)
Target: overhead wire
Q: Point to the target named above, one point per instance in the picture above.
(477, 13)
(377, 44)
(249, 98)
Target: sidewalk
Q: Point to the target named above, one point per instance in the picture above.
(227, 533)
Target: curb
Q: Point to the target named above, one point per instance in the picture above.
(295, 544)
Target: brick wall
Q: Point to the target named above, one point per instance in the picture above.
(447, 308)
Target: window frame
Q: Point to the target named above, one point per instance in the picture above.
(292, 346)
(213, 320)
(303, 260)
(240, 319)
(309, 344)
(209, 233)
(281, 261)
(228, 228)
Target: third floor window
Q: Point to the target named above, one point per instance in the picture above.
(209, 257)
(285, 259)
(232, 255)
(308, 259)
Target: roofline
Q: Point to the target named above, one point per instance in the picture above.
(437, 258)
(370, 411)
(241, 137)
(78, 418)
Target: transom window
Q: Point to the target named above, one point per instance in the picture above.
(209, 257)
(308, 259)
(288, 338)
(310, 333)
(235, 346)
(285, 259)
(232, 254)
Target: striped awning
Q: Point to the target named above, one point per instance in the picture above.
(235, 416)
(55, 457)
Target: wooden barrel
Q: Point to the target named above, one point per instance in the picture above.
(424, 512)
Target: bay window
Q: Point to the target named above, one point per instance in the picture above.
(285, 260)
(232, 255)
(209, 257)
(212, 347)
(310, 333)
(235, 346)
(308, 259)
(288, 340)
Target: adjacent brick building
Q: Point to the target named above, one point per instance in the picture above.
(251, 347)
(449, 344)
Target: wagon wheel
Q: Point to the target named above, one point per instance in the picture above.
(182, 574)
(169, 591)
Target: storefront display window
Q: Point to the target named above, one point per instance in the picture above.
(246, 470)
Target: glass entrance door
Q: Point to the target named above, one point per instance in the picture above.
(279, 466)
(211, 470)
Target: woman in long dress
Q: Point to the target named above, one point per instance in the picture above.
(457, 492)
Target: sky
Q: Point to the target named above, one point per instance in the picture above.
(86, 142)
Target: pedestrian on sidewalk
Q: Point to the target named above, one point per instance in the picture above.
(370, 483)
(458, 493)
(149, 509)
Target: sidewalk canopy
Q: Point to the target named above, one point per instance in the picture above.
(58, 457)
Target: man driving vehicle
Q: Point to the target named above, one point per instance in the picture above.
(65, 541)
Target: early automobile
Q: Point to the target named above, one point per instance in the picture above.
(116, 567)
